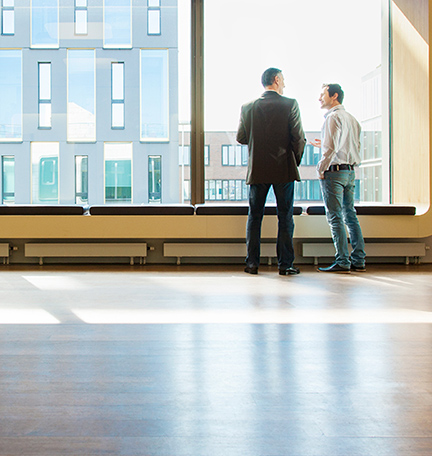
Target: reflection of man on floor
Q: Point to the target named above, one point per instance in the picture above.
(272, 129)
(340, 146)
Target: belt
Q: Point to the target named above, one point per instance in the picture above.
(343, 167)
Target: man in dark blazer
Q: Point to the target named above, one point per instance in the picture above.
(271, 127)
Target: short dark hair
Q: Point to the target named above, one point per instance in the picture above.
(268, 77)
(335, 88)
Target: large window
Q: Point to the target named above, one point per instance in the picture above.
(154, 95)
(81, 107)
(298, 39)
(45, 23)
(117, 26)
(45, 175)
(118, 173)
(124, 71)
(10, 95)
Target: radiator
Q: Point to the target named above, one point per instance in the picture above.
(85, 250)
(208, 250)
(400, 249)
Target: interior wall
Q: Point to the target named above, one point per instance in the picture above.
(410, 103)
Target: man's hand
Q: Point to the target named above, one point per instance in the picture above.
(316, 142)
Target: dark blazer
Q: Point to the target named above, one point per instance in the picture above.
(272, 129)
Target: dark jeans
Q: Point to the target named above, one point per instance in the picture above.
(285, 199)
(338, 193)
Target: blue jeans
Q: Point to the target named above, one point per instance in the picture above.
(338, 192)
(284, 200)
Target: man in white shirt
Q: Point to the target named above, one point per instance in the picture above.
(340, 146)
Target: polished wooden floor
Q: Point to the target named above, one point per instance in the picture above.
(210, 361)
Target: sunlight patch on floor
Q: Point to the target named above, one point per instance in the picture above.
(253, 316)
(26, 317)
(54, 282)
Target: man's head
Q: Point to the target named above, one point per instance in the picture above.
(272, 79)
(331, 96)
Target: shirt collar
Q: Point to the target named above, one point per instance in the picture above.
(335, 108)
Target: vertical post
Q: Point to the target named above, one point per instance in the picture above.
(197, 102)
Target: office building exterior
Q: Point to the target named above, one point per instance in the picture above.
(89, 93)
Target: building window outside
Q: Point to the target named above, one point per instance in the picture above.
(234, 155)
(225, 190)
(44, 95)
(8, 180)
(186, 190)
(11, 95)
(311, 156)
(185, 155)
(117, 95)
(44, 170)
(81, 15)
(153, 17)
(117, 26)
(154, 95)
(155, 179)
(118, 172)
(81, 179)
(45, 24)
(81, 107)
(8, 17)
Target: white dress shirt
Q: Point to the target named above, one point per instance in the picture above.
(340, 140)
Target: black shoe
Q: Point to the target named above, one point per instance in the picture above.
(358, 268)
(289, 271)
(335, 268)
(251, 269)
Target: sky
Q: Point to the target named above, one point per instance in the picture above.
(311, 41)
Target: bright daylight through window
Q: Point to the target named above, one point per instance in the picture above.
(312, 42)
(97, 94)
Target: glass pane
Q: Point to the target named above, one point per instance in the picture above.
(45, 182)
(8, 177)
(117, 23)
(294, 33)
(8, 3)
(118, 172)
(81, 22)
(81, 115)
(154, 23)
(8, 22)
(45, 115)
(117, 115)
(44, 81)
(155, 179)
(154, 94)
(117, 81)
(81, 179)
(154, 3)
(10, 95)
(44, 23)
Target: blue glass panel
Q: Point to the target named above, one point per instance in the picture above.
(81, 95)
(10, 94)
(154, 94)
(44, 23)
(117, 23)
